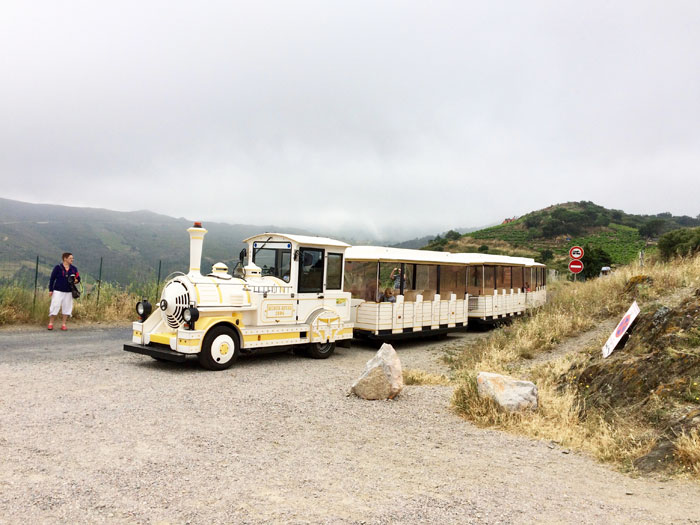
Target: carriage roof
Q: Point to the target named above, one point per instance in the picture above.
(382, 253)
(306, 240)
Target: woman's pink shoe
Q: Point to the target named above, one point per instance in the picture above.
(63, 327)
(50, 327)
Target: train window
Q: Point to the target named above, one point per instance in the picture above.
(427, 280)
(310, 270)
(391, 276)
(335, 271)
(500, 278)
(476, 274)
(507, 277)
(452, 280)
(273, 261)
(489, 279)
(361, 279)
(410, 271)
(517, 278)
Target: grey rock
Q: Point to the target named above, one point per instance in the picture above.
(510, 393)
(382, 377)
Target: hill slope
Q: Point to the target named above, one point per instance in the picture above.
(549, 233)
(130, 243)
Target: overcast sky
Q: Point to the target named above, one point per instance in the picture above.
(401, 118)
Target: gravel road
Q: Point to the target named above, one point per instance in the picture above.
(92, 434)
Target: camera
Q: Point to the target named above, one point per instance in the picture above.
(73, 289)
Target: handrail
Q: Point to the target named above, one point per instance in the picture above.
(274, 288)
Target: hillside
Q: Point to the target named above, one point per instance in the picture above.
(638, 408)
(420, 242)
(548, 234)
(130, 243)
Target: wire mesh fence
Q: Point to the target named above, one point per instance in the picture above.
(95, 272)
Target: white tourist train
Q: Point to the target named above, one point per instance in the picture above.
(309, 293)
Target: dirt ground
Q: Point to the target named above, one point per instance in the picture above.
(92, 434)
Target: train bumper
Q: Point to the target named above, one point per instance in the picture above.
(158, 352)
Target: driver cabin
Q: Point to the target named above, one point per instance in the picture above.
(305, 268)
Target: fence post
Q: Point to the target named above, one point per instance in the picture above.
(160, 262)
(36, 281)
(99, 284)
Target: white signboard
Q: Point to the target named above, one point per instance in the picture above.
(620, 330)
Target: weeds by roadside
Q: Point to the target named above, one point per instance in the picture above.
(17, 305)
(420, 377)
(620, 435)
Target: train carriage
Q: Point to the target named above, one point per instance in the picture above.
(501, 286)
(429, 291)
(436, 292)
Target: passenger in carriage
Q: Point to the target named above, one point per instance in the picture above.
(387, 296)
(526, 288)
(398, 278)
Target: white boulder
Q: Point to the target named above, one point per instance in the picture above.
(510, 393)
(382, 377)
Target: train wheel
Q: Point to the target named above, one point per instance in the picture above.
(320, 350)
(219, 349)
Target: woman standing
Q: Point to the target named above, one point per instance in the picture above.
(60, 289)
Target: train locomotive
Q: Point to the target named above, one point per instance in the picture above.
(285, 292)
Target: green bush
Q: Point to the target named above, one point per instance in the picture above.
(593, 260)
(683, 242)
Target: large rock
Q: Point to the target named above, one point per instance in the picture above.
(382, 378)
(510, 393)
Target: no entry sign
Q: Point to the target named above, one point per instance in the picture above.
(576, 252)
(575, 266)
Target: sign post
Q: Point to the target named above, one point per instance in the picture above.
(576, 252)
(575, 266)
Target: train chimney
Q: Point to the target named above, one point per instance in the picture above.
(197, 234)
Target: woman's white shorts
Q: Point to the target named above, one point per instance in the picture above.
(62, 300)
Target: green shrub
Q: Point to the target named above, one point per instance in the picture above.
(683, 242)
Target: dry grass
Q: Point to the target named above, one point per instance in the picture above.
(421, 377)
(574, 308)
(558, 419)
(17, 306)
(688, 452)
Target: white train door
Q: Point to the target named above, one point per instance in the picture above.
(310, 280)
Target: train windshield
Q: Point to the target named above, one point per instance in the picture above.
(275, 262)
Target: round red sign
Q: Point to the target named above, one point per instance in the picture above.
(576, 252)
(622, 327)
(576, 266)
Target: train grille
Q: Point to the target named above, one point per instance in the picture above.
(175, 293)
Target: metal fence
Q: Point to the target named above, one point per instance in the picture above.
(96, 272)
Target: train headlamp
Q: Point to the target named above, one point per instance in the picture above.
(143, 308)
(190, 315)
